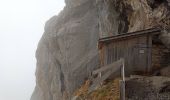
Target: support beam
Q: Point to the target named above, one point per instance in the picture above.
(108, 67)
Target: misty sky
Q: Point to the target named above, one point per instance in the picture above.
(21, 26)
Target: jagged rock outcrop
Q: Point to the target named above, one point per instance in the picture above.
(67, 51)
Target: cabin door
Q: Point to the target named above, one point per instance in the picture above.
(141, 58)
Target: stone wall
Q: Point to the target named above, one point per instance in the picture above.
(160, 56)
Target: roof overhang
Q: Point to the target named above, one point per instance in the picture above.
(150, 31)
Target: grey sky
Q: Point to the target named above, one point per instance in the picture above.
(21, 26)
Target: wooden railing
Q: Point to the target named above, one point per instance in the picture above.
(110, 69)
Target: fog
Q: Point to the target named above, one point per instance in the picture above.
(21, 26)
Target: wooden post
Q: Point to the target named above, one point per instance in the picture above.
(122, 90)
(122, 82)
(123, 70)
(149, 69)
(111, 66)
(110, 69)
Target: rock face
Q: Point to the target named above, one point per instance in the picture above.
(148, 88)
(165, 71)
(67, 51)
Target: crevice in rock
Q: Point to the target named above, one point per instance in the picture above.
(61, 77)
(124, 23)
(63, 87)
(155, 3)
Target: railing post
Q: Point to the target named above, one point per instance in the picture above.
(122, 82)
(122, 90)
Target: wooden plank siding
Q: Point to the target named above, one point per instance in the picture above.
(135, 48)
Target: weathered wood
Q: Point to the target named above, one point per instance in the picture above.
(122, 83)
(123, 70)
(131, 34)
(122, 90)
(134, 47)
(130, 50)
(107, 67)
(98, 80)
(149, 54)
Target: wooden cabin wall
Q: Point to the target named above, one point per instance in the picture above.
(129, 49)
(160, 56)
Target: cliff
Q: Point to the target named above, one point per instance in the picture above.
(67, 51)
